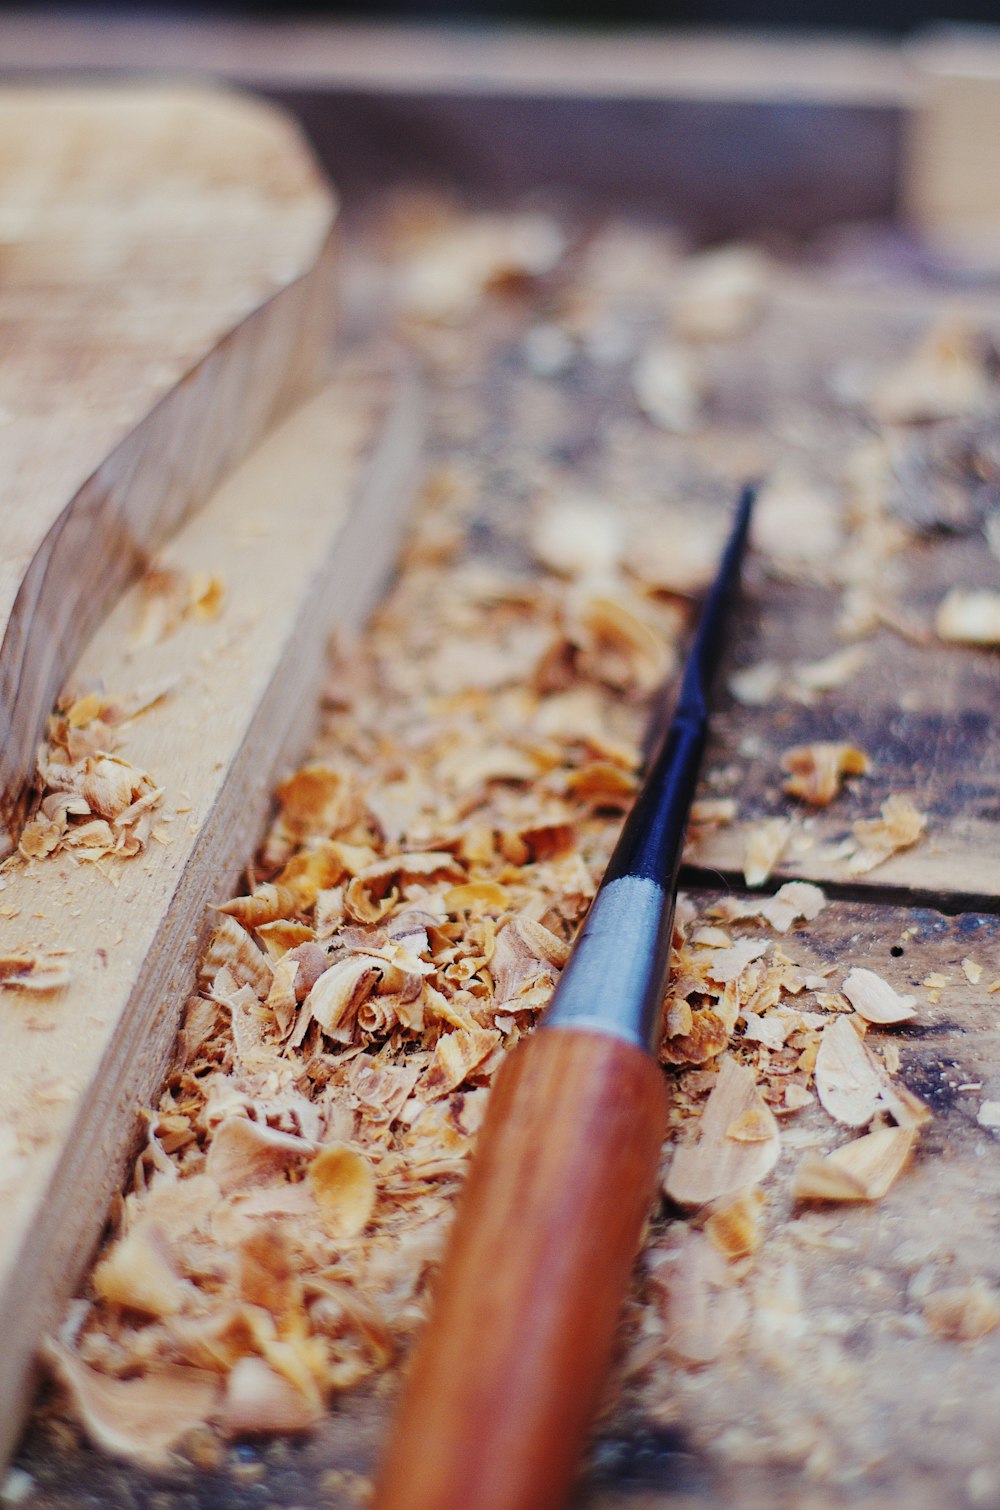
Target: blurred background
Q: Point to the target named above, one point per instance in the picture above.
(889, 17)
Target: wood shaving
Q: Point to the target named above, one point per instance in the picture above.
(850, 1081)
(862, 1170)
(967, 617)
(720, 293)
(963, 1313)
(168, 597)
(735, 1228)
(92, 803)
(795, 901)
(343, 1185)
(724, 1162)
(900, 826)
(463, 259)
(142, 1418)
(944, 376)
(797, 525)
(817, 771)
(766, 843)
(669, 387)
(577, 537)
(702, 1311)
(875, 1000)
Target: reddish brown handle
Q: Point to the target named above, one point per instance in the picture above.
(506, 1377)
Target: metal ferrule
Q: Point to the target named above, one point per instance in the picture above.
(613, 982)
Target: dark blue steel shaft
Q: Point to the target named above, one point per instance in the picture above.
(615, 977)
(652, 841)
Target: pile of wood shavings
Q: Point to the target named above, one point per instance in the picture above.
(93, 804)
(415, 898)
(413, 905)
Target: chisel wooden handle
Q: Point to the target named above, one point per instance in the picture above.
(507, 1375)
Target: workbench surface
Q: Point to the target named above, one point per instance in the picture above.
(835, 1392)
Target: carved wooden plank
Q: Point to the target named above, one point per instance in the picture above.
(165, 292)
(302, 533)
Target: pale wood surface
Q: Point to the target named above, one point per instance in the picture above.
(303, 533)
(165, 292)
(952, 177)
(394, 57)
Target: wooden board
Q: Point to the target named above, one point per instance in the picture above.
(857, 1403)
(165, 292)
(302, 534)
(819, 128)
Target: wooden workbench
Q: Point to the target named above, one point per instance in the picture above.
(839, 1396)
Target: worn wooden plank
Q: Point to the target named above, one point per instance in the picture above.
(165, 293)
(733, 134)
(302, 534)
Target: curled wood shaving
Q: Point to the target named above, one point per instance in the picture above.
(848, 1078)
(875, 1000)
(862, 1170)
(900, 826)
(93, 803)
(726, 1161)
(142, 1419)
(167, 597)
(794, 901)
(344, 1187)
(259, 1399)
(817, 771)
(734, 1228)
(766, 843)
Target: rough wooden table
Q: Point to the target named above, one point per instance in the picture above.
(838, 1395)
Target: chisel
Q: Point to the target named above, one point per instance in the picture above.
(507, 1374)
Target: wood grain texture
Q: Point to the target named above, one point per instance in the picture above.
(303, 534)
(507, 1373)
(165, 293)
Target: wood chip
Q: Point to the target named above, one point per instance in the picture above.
(723, 1163)
(963, 1313)
(875, 1000)
(669, 386)
(141, 1419)
(817, 771)
(969, 617)
(862, 1170)
(766, 843)
(943, 377)
(849, 1079)
(344, 1187)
